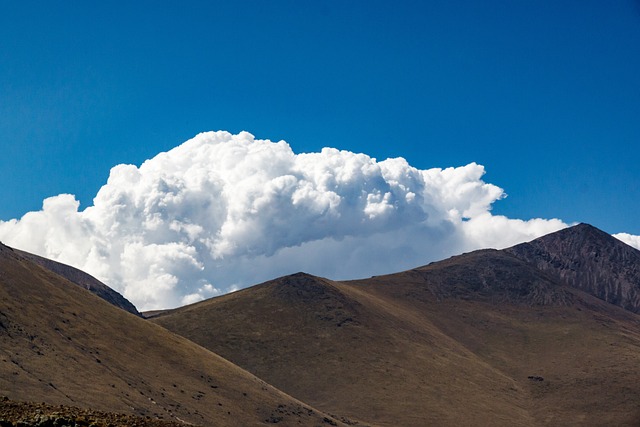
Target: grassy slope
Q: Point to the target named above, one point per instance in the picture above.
(586, 350)
(449, 344)
(63, 345)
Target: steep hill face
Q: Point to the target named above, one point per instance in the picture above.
(84, 280)
(588, 259)
(479, 339)
(61, 344)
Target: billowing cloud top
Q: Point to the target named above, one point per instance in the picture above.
(224, 211)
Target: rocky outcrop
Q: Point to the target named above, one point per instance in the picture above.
(32, 414)
(588, 259)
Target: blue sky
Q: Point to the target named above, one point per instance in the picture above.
(545, 94)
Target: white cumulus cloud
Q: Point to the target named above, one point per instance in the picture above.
(222, 211)
(629, 239)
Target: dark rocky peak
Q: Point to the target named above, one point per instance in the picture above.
(589, 259)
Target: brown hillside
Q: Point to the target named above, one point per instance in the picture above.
(479, 339)
(61, 344)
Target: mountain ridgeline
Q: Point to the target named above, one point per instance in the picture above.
(491, 337)
(545, 333)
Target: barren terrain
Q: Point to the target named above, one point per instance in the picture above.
(479, 339)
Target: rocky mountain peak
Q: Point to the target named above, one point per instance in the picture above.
(588, 259)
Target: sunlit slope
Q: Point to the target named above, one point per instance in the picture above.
(61, 344)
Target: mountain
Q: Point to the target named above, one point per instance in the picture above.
(485, 338)
(62, 345)
(82, 279)
(589, 259)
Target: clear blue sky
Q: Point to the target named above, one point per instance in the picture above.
(545, 94)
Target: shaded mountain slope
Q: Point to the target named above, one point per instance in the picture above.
(588, 259)
(61, 344)
(82, 279)
(480, 339)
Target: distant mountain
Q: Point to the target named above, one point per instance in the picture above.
(588, 259)
(62, 345)
(485, 338)
(82, 279)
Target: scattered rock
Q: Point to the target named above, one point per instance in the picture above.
(30, 414)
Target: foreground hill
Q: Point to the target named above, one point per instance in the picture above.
(60, 344)
(484, 338)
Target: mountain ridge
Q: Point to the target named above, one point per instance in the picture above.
(539, 334)
(484, 337)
